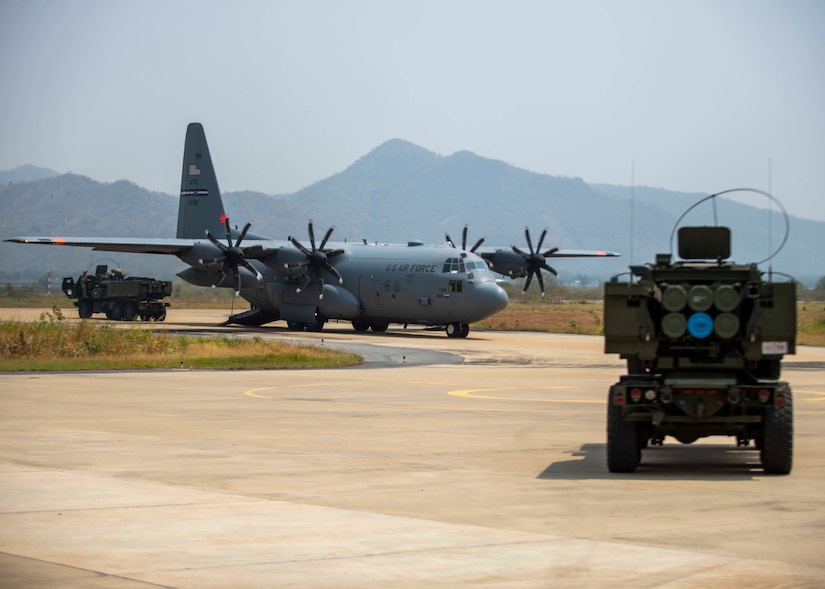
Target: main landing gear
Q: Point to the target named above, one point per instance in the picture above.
(455, 330)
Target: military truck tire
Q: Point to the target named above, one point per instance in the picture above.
(777, 441)
(114, 312)
(84, 310)
(129, 312)
(623, 451)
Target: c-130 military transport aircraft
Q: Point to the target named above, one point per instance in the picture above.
(369, 285)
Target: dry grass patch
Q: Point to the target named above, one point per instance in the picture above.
(583, 317)
(810, 322)
(52, 344)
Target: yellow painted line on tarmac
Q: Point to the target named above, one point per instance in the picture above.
(484, 394)
(277, 393)
(255, 392)
(820, 396)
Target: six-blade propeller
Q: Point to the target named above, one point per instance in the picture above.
(231, 257)
(535, 262)
(317, 259)
(464, 240)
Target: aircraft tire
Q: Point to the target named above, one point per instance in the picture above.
(315, 327)
(295, 325)
(360, 325)
(379, 327)
(457, 329)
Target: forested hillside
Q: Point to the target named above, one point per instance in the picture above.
(396, 193)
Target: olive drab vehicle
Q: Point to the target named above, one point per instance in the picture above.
(121, 298)
(703, 338)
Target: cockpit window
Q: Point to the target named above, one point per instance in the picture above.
(454, 266)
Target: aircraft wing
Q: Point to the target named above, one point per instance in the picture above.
(516, 263)
(114, 244)
(583, 254)
(490, 254)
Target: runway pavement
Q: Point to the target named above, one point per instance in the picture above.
(440, 463)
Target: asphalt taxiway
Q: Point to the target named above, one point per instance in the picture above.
(440, 463)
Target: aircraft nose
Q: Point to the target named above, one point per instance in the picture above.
(491, 297)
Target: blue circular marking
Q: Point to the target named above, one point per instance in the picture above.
(700, 325)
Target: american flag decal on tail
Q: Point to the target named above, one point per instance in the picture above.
(194, 170)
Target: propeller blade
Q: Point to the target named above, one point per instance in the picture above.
(529, 241)
(541, 281)
(521, 253)
(212, 238)
(527, 283)
(220, 278)
(228, 231)
(252, 269)
(326, 237)
(237, 274)
(303, 284)
(311, 235)
(464, 232)
(243, 233)
(550, 252)
(541, 239)
(334, 271)
(301, 247)
(550, 269)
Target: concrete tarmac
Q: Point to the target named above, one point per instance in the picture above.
(439, 463)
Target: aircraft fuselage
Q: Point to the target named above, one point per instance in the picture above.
(382, 284)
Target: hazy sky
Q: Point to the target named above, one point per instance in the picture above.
(700, 95)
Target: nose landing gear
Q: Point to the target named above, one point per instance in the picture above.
(457, 330)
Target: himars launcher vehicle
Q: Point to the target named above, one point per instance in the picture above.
(121, 298)
(703, 338)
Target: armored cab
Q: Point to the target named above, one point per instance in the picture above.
(703, 338)
(121, 298)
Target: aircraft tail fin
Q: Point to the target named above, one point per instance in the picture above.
(201, 207)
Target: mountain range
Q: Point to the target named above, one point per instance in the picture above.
(396, 193)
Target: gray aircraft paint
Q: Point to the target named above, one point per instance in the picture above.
(307, 282)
